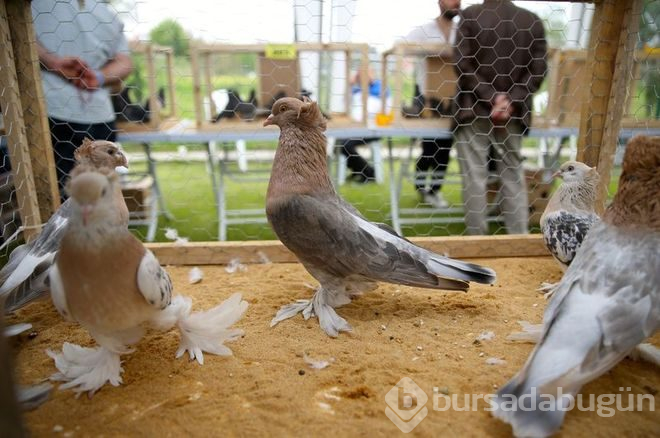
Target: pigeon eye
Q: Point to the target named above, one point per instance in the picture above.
(571, 168)
(283, 108)
(103, 192)
(111, 151)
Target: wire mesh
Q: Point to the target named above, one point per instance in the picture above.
(189, 114)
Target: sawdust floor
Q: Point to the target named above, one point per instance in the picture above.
(267, 389)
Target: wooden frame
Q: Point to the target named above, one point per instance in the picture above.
(202, 62)
(428, 50)
(166, 117)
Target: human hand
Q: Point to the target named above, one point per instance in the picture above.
(502, 109)
(76, 71)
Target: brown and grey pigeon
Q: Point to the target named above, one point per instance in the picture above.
(346, 253)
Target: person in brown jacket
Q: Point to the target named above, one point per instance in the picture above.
(500, 58)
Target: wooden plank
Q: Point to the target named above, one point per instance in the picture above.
(463, 247)
(603, 47)
(17, 141)
(33, 101)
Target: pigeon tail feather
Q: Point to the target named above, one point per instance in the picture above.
(447, 267)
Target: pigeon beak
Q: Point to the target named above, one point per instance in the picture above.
(557, 174)
(86, 211)
(269, 120)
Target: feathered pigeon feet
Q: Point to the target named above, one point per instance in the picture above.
(86, 369)
(547, 289)
(203, 332)
(330, 322)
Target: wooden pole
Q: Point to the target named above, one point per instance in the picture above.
(194, 66)
(35, 116)
(169, 58)
(19, 149)
(611, 56)
(154, 103)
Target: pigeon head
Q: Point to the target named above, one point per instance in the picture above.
(92, 193)
(100, 153)
(292, 111)
(574, 171)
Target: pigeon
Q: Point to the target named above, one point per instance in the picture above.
(127, 111)
(606, 304)
(346, 253)
(107, 281)
(23, 278)
(569, 214)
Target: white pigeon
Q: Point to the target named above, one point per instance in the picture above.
(607, 303)
(107, 281)
(24, 276)
(569, 214)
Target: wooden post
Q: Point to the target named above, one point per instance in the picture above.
(208, 84)
(169, 57)
(349, 92)
(197, 92)
(33, 101)
(19, 149)
(154, 103)
(611, 56)
(364, 84)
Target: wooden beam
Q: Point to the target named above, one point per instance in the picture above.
(35, 116)
(623, 74)
(603, 47)
(464, 247)
(17, 141)
(611, 57)
(197, 91)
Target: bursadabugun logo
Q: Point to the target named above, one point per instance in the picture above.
(406, 404)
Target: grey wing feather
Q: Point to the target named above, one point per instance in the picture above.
(324, 234)
(564, 232)
(24, 275)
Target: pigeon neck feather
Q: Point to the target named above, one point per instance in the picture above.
(300, 164)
